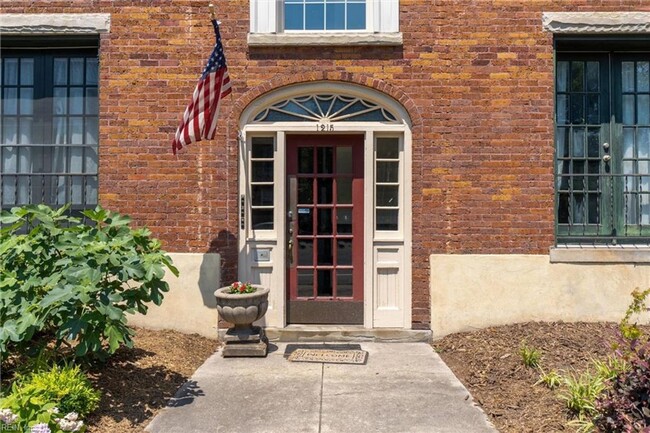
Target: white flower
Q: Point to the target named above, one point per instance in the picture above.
(72, 416)
(70, 423)
(7, 416)
(41, 428)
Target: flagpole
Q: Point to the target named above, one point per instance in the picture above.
(212, 15)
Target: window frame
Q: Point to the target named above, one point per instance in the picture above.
(44, 50)
(613, 50)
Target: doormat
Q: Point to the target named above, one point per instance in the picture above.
(329, 356)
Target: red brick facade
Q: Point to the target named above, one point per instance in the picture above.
(476, 77)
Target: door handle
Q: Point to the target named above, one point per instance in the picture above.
(290, 251)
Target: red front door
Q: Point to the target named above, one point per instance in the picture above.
(325, 229)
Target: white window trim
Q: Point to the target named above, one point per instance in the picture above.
(267, 27)
(48, 24)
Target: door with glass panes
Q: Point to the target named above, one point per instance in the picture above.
(325, 229)
(603, 147)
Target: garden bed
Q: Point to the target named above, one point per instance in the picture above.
(137, 383)
(490, 366)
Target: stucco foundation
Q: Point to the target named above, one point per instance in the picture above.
(477, 291)
(190, 305)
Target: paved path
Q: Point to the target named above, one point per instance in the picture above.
(404, 387)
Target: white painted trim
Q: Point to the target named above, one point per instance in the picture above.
(48, 24)
(402, 239)
(323, 39)
(596, 22)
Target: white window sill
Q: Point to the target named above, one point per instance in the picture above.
(600, 254)
(323, 39)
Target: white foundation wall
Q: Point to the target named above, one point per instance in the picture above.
(189, 306)
(476, 291)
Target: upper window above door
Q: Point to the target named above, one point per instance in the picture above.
(324, 22)
(324, 15)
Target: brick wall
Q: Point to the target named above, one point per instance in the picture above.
(477, 76)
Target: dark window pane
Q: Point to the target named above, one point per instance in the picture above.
(562, 108)
(642, 84)
(628, 76)
(344, 220)
(305, 191)
(305, 221)
(562, 76)
(387, 219)
(314, 17)
(578, 208)
(344, 191)
(76, 100)
(325, 222)
(262, 171)
(10, 73)
(10, 101)
(77, 71)
(563, 209)
(593, 109)
(387, 148)
(578, 181)
(325, 160)
(593, 76)
(594, 211)
(92, 105)
(628, 109)
(262, 147)
(335, 14)
(324, 191)
(92, 72)
(305, 283)
(577, 109)
(642, 109)
(387, 195)
(325, 253)
(387, 171)
(562, 142)
(356, 16)
(344, 282)
(594, 171)
(577, 76)
(593, 142)
(262, 219)
(60, 72)
(305, 160)
(344, 159)
(325, 282)
(578, 141)
(305, 252)
(344, 252)
(262, 195)
(26, 100)
(293, 16)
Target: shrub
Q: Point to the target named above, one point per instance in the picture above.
(55, 397)
(74, 283)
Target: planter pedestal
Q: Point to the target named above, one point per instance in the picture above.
(245, 342)
(243, 339)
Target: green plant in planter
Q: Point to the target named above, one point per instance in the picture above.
(72, 284)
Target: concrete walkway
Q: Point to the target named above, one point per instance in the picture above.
(403, 387)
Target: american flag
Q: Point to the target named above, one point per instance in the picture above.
(200, 117)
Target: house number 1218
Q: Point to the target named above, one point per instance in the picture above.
(323, 127)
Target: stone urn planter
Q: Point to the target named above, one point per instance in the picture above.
(242, 309)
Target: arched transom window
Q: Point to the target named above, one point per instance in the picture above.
(325, 108)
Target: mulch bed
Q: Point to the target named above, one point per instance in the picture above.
(488, 363)
(137, 383)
